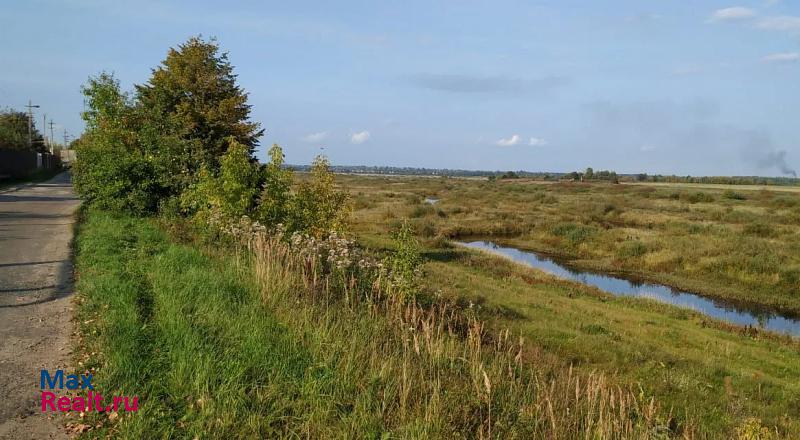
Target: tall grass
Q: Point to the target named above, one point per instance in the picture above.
(289, 339)
(435, 369)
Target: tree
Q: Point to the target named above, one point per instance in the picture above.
(14, 132)
(275, 197)
(588, 174)
(238, 182)
(111, 170)
(228, 195)
(318, 207)
(191, 107)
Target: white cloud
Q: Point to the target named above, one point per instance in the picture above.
(360, 137)
(537, 142)
(315, 137)
(508, 142)
(731, 14)
(788, 57)
(787, 23)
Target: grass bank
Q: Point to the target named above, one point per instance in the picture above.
(250, 346)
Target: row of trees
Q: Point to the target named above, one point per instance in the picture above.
(14, 126)
(591, 175)
(183, 143)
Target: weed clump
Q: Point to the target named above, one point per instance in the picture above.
(573, 233)
(632, 249)
(733, 195)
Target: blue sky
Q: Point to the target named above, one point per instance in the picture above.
(683, 87)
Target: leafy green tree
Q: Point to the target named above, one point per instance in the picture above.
(588, 174)
(275, 199)
(231, 194)
(111, 171)
(239, 181)
(191, 106)
(14, 132)
(318, 207)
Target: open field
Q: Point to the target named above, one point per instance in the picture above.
(743, 247)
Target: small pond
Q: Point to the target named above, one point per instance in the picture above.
(620, 286)
(431, 200)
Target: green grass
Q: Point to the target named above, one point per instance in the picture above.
(240, 344)
(674, 354)
(733, 247)
(741, 246)
(186, 335)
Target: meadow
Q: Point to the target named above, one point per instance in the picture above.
(737, 244)
(724, 242)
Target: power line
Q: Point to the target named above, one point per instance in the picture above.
(30, 122)
(52, 138)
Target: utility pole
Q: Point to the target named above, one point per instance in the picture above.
(44, 128)
(52, 138)
(30, 123)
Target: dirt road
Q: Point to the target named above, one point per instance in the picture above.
(35, 289)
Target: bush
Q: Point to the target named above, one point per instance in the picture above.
(699, 197)
(759, 229)
(111, 171)
(404, 263)
(318, 208)
(733, 195)
(275, 199)
(421, 211)
(632, 249)
(117, 180)
(573, 233)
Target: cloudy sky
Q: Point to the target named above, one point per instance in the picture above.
(684, 87)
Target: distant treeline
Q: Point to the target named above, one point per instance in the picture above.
(587, 175)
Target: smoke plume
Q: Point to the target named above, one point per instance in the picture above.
(776, 159)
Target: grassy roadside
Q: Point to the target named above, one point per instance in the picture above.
(223, 347)
(167, 324)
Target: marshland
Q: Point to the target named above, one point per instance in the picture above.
(736, 246)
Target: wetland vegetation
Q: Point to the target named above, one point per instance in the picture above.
(741, 246)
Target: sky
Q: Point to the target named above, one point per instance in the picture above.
(670, 87)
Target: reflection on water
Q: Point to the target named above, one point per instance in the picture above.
(658, 292)
(431, 200)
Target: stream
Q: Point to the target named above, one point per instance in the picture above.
(623, 287)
